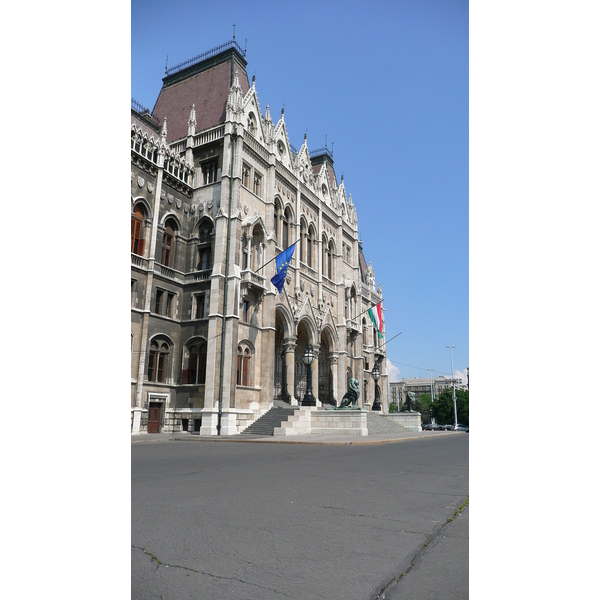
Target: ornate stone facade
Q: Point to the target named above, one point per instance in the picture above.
(213, 343)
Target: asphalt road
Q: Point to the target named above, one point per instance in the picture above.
(272, 521)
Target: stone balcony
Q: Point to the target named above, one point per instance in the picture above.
(353, 326)
(379, 351)
(139, 261)
(251, 281)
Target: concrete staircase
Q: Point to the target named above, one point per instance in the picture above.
(379, 424)
(266, 424)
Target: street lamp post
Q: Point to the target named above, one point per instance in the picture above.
(307, 358)
(453, 388)
(431, 386)
(376, 375)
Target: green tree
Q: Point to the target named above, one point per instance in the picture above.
(423, 405)
(443, 407)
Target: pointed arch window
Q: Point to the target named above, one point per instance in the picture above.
(243, 365)
(137, 231)
(196, 367)
(257, 247)
(302, 240)
(246, 175)
(205, 230)
(157, 362)
(309, 241)
(276, 219)
(330, 260)
(168, 243)
(285, 230)
(252, 124)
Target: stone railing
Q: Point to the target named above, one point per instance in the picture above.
(252, 143)
(209, 135)
(353, 325)
(251, 279)
(169, 273)
(139, 261)
(198, 276)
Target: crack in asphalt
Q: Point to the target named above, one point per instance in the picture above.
(161, 563)
(434, 537)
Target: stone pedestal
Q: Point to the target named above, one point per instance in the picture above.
(136, 420)
(409, 420)
(229, 423)
(210, 417)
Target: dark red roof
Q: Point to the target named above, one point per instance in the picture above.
(207, 88)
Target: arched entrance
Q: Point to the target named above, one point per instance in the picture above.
(279, 359)
(280, 391)
(299, 366)
(325, 374)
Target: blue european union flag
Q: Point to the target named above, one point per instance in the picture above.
(282, 263)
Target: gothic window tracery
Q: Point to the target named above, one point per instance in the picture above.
(137, 230)
(157, 362)
(168, 243)
(244, 365)
(196, 364)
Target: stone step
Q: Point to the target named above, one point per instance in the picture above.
(266, 424)
(380, 424)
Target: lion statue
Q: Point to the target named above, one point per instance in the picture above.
(352, 395)
(411, 399)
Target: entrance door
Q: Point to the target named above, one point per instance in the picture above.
(154, 417)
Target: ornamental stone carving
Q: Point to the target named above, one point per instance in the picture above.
(170, 198)
(186, 208)
(150, 187)
(163, 195)
(132, 176)
(178, 203)
(140, 182)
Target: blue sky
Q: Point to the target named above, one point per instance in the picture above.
(385, 83)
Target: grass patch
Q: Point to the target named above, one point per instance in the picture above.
(458, 511)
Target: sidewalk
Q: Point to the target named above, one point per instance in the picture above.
(340, 440)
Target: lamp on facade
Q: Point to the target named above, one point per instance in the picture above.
(376, 375)
(308, 358)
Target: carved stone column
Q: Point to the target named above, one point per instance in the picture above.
(314, 368)
(333, 363)
(289, 348)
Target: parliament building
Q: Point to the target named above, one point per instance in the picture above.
(217, 192)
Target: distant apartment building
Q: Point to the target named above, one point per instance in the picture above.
(420, 385)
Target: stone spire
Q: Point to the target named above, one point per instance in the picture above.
(268, 123)
(192, 121)
(234, 101)
(163, 133)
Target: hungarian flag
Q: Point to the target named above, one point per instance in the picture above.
(375, 314)
(282, 263)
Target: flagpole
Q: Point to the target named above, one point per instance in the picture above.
(257, 270)
(390, 340)
(368, 309)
